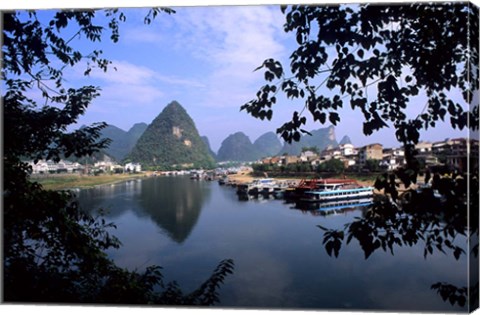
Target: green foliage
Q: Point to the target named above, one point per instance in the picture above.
(170, 141)
(373, 165)
(207, 144)
(377, 59)
(237, 147)
(53, 251)
(418, 217)
(122, 142)
(267, 145)
(332, 166)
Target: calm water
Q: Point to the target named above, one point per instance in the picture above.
(188, 227)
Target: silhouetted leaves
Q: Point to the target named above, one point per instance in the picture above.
(53, 251)
(416, 217)
(378, 57)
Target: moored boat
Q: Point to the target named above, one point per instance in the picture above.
(306, 186)
(257, 186)
(338, 192)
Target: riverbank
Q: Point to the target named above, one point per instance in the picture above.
(72, 181)
(248, 177)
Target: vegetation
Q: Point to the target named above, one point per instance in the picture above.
(373, 165)
(320, 138)
(379, 59)
(237, 147)
(79, 181)
(267, 145)
(207, 143)
(172, 141)
(333, 165)
(122, 142)
(53, 251)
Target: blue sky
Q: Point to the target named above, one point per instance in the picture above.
(204, 57)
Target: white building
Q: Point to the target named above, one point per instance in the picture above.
(132, 167)
(45, 167)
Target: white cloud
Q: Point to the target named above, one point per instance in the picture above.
(232, 42)
(124, 73)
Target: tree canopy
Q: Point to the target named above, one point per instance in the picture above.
(377, 59)
(383, 60)
(53, 251)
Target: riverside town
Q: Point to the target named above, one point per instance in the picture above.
(445, 156)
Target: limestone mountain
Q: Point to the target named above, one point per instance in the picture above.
(345, 140)
(237, 147)
(122, 141)
(267, 144)
(171, 141)
(207, 143)
(322, 138)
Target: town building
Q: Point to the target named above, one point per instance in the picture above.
(370, 152)
(50, 167)
(132, 167)
(393, 158)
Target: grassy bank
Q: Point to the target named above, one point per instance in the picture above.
(62, 182)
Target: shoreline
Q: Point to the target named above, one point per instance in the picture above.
(78, 181)
(248, 177)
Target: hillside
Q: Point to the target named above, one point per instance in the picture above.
(122, 141)
(267, 144)
(171, 141)
(207, 143)
(237, 147)
(321, 138)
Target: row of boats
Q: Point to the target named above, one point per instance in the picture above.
(307, 190)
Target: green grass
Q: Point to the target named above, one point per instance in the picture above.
(81, 181)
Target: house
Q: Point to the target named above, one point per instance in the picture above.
(393, 158)
(271, 160)
(289, 159)
(331, 153)
(308, 156)
(348, 150)
(458, 152)
(44, 167)
(133, 167)
(370, 152)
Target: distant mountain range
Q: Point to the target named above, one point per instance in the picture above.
(172, 140)
(122, 141)
(322, 139)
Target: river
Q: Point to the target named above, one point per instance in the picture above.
(188, 227)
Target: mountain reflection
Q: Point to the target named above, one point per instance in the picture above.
(174, 204)
(114, 200)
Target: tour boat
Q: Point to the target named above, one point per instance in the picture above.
(338, 191)
(306, 186)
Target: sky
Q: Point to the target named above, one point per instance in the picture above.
(204, 57)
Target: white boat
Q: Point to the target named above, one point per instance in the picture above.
(257, 186)
(332, 192)
(338, 194)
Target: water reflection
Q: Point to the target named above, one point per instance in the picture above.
(280, 259)
(331, 208)
(174, 204)
(114, 199)
(440, 221)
